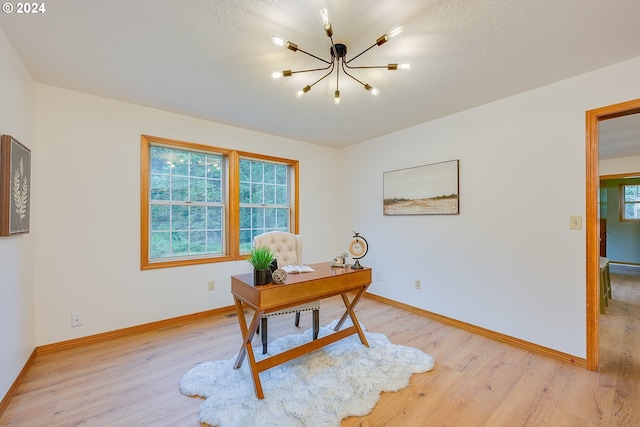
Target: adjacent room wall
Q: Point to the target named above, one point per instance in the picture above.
(622, 165)
(623, 238)
(88, 244)
(508, 262)
(17, 318)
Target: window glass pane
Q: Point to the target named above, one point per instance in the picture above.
(160, 217)
(270, 218)
(245, 218)
(160, 160)
(269, 194)
(180, 163)
(179, 218)
(180, 188)
(197, 242)
(214, 242)
(160, 187)
(214, 191)
(283, 219)
(214, 167)
(257, 217)
(180, 243)
(281, 195)
(269, 173)
(256, 194)
(631, 193)
(160, 244)
(197, 190)
(246, 241)
(282, 172)
(257, 172)
(197, 217)
(214, 218)
(197, 165)
(245, 170)
(245, 192)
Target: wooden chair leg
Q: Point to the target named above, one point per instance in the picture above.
(297, 322)
(263, 334)
(316, 323)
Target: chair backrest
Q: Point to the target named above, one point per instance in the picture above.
(287, 247)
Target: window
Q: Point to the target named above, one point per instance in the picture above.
(202, 204)
(629, 202)
(264, 203)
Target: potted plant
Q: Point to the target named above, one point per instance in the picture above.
(261, 259)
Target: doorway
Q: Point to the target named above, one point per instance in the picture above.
(593, 118)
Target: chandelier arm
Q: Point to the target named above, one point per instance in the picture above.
(366, 50)
(312, 69)
(323, 77)
(345, 71)
(314, 56)
(367, 66)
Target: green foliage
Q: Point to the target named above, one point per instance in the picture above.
(260, 257)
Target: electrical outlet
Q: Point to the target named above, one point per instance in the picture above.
(378, 276)
(418, 284)
(575, 223)
(212, 285)
(76, 320)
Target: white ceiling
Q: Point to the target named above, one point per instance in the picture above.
(212, 59)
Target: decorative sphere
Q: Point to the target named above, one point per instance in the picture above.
(279, 276)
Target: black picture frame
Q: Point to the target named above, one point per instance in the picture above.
(15, 187)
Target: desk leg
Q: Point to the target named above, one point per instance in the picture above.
(350, 306)
(246, 349)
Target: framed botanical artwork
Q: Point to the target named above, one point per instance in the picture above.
(423, 190)
(15, 187)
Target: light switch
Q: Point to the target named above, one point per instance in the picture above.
(575, 223)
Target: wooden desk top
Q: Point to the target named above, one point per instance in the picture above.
(299, 288)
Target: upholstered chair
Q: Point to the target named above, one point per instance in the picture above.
(287, 248)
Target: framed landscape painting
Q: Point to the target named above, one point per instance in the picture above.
(423, 190)
(15, 187)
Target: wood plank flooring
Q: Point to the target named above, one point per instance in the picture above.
(477, 382)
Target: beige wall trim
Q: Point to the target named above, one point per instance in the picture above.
(105, 336)
(516, 342)
(14, 387)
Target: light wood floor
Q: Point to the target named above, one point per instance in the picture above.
(133, 381)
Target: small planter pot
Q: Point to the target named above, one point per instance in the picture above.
(261, 277)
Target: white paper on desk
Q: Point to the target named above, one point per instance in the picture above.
(297, 269)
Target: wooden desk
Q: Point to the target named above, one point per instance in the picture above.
(299, 288)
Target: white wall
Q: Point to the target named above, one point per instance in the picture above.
(88, 245)
(509, 261)
(17, 319)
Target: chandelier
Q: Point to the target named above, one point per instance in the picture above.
(338, 52)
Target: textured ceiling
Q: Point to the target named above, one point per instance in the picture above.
(212, 59)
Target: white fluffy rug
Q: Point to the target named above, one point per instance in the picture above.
(318, 389)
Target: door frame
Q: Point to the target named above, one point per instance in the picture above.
(593, 118)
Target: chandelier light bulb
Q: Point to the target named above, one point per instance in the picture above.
(324, 16)
(302, 91)
(276, 75)
(279, 41)
(336, 99)
(404, 66)
(372, 89)
(396, 30)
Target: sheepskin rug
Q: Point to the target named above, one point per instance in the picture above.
(318, 389)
